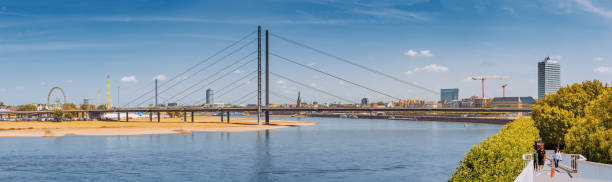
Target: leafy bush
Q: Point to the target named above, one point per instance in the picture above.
(499, 157)
(558, 112)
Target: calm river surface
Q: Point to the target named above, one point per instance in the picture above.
(334, 150)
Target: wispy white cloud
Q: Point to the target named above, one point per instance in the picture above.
(587, 6)
(42, 84)
(497, 77)
(202, 36)
(603, 69)
(509, 10)
(428, 68)
(280, 82)
(159, 77)
(128, 79)
(53, 47)
(391, 13)
(378, 9)
(421, 53)
(598, 59)
(12, 13)
(219, 21)
(238, 71)
(69, 81)
(532, 81)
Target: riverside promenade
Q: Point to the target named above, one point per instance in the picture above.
(587, 171)
(560, 175)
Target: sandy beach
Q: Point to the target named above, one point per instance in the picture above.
(138, 126)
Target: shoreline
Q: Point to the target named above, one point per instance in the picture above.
(138, 126)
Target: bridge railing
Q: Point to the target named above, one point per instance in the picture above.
(527, 172)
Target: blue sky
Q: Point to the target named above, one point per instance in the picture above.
(437, 44)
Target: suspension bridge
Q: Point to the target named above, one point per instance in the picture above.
(240, 53)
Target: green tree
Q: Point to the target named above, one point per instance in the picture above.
(591, 136)
(2, 104)
(101, 107)
(27, 107)
(575, 97)
(58, 115)
(553, 123)
(601, 109)
(557, 113)
(87, 107)
(69, 106)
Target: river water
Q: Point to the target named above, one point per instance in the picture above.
(334, 150)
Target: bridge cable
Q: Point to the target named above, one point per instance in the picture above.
(314, 88)
(283, 96)
(198, 64)
(225, 93)
(354, 63)
(199, 71)
(234, 82)
(211, 65)
(334, 76)
(214, 74)
(218, 78)
(238, 101)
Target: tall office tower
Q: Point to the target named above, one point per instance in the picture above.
(549, 77)
(209, 96)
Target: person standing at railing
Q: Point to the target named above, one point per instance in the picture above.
(557, 157)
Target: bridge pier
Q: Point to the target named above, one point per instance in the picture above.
(118, 116)
(158, 117)
(228, 117)
(127, 117)
(150, 116)
(221, 114)
(184, 117)
(192, 116)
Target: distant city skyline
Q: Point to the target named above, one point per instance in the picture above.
(436, 44)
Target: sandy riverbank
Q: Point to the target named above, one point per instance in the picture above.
(140, 126)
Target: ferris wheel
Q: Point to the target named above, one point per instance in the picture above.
(58, 102)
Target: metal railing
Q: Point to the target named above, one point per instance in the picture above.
(571, 165)
(527, 172)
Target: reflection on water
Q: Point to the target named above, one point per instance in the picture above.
(334, 150)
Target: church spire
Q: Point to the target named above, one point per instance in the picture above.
(299, 100)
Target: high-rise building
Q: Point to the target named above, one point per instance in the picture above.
(209, 96)
(364, 101)
(449, 94)
(86, 101)
(549, 77)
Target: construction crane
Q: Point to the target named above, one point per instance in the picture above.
(483, 80)
(108, 93)
(504, 90)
